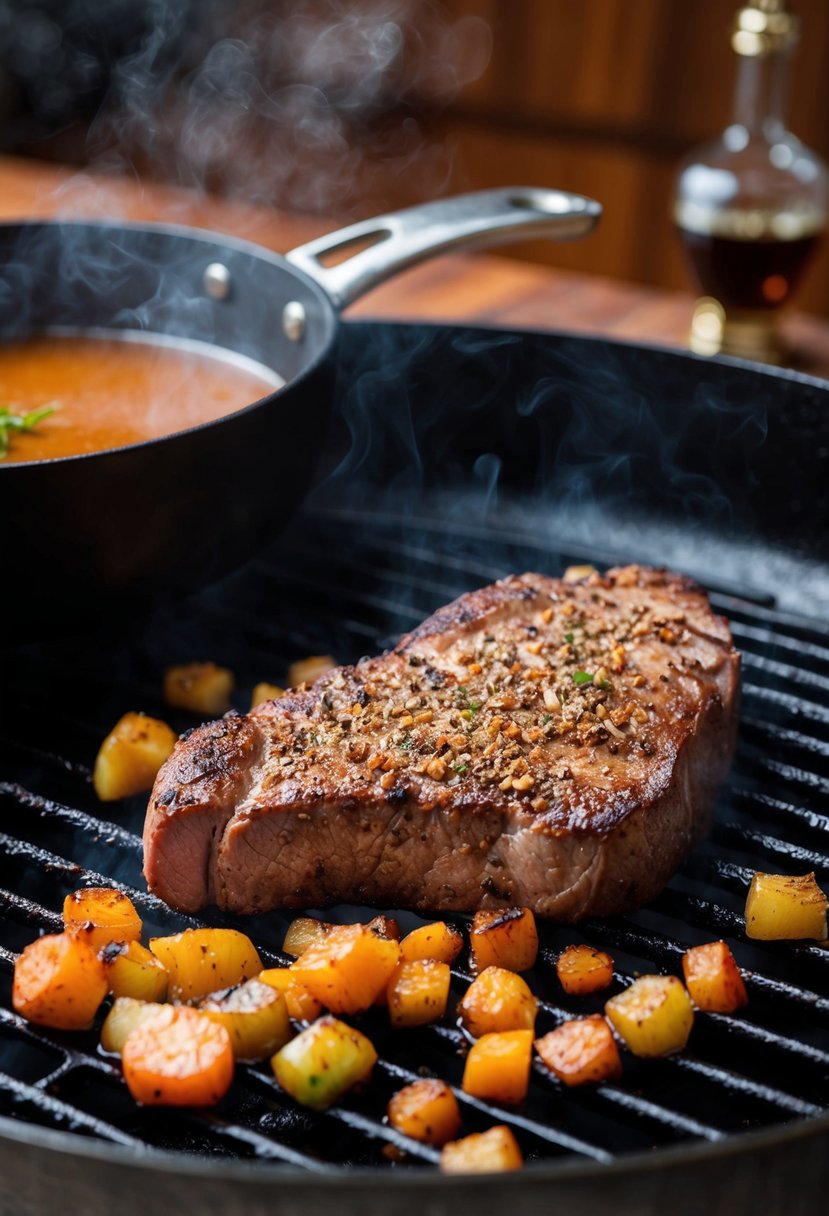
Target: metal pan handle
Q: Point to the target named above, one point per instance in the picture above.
(348, 263)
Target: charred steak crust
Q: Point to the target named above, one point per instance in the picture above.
(539, 742)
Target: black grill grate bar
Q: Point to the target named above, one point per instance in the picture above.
(802, 653)
(751, 803)
(759, 736)
(745, 838)
(785, 774)
(62, 1115)
(643, 1108)
(806, 715)
(48, 808)
(735, 1084)
(263, 1147)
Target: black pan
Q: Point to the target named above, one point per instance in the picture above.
(127, 526)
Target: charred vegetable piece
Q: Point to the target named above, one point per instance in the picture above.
(59, 981)
(130, 756)
(582, 970)
(134, 971)
(498, 1066)
(385, 926)
(348, 969)
(497, 1000)
(124, 1016)
(653, 1016)
(302, 1007)
(491, 1152)
(179, 1057)
(305, 671)
(304, 932)
(324, 1062)
(438, 941)
(427, 1111)
(713, 978)
(418, 992)
(201, 961)
(581, 1052)
(504, 939)
(779, 906)
(265, 692)
(101, 915)
(201, 688)
(254, 1015)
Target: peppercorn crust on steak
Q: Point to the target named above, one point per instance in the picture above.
(540, 742)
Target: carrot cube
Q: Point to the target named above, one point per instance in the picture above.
(101, 915)
(498, 1066)
(417, 993)
(497, 1000)
(491, 1152)
(582, 970)
(581, 1052)
(59, 981)
(713, 978)
(348, 969)
(427, 1111)
(438, 941)
(504, 939)
(654, 1015)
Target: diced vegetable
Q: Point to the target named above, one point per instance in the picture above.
(124, 1016)
(254, 1015)
(324, 1062)
(385, 926)
(654, 1015)
(265, 692)
(426, 1110)
(491, 1152)
(504, 939)
(59, 981)
(497, 1000)
(302, 1007)
(179, 1057)
(713, 978)
(779, 906)
(302, 933)
(201, 688)
(582, 970)
(417, 992)
(101, 915)
(348, 969)
(130, 756)
(305, 671)
(498, 1066)
(134, 971)
(573, 574)
(201, 961)
(438, 941)
(581, 1052)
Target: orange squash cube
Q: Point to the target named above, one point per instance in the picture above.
(101, 915)
(581, 1052)
(301, 1006)
(348, 969)
(178, 1058)
(417, 992)
(498, 1066)
(438, 941)
(491, 1152)
(582, 970)
(427, 1111)
(59, 981)
(131, 755)
(653, 1016)
(385, 926)
(713, 978)
(201, 961)
(134, 971)
(303, 932)
(506, 939)
(783, 907)
(497, 1000)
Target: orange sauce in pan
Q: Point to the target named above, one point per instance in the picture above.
(110, 392)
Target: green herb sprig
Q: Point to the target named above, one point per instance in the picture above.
(11, 423)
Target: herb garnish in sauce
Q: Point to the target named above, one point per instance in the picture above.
(10, 423)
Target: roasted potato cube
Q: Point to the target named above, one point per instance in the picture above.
(497, 1000)
(582, 970)
(59, 981)
(574, 574)
(385, 926)
(201, 688)
(324, 1062)
(134, 971)
(201, 961)
(265, 692)
(504, 939)
(254, 1015)
(302, 1007)
(130, 756)
(417, 993)
(581, 1052)
(713, 978)
(653, 1016)
(178, 1057)
(348, 969)
(126, 1013)
(491, 1152)
(498, 1066)
(302, 933)
(425, 1110)
(101, 915)
(438, 941)
(305, 671)
(779, 906)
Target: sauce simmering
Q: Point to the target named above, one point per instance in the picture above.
(110, 392)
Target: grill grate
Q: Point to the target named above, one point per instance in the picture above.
(348, 583)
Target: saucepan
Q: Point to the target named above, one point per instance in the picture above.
(133, 525)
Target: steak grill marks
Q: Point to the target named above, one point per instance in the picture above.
(767, 1066)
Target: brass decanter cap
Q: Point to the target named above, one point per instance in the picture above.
(763, 27)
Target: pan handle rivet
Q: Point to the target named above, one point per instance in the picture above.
(293, 320)
(217, 281)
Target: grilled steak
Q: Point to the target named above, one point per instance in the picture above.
(556, 744)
